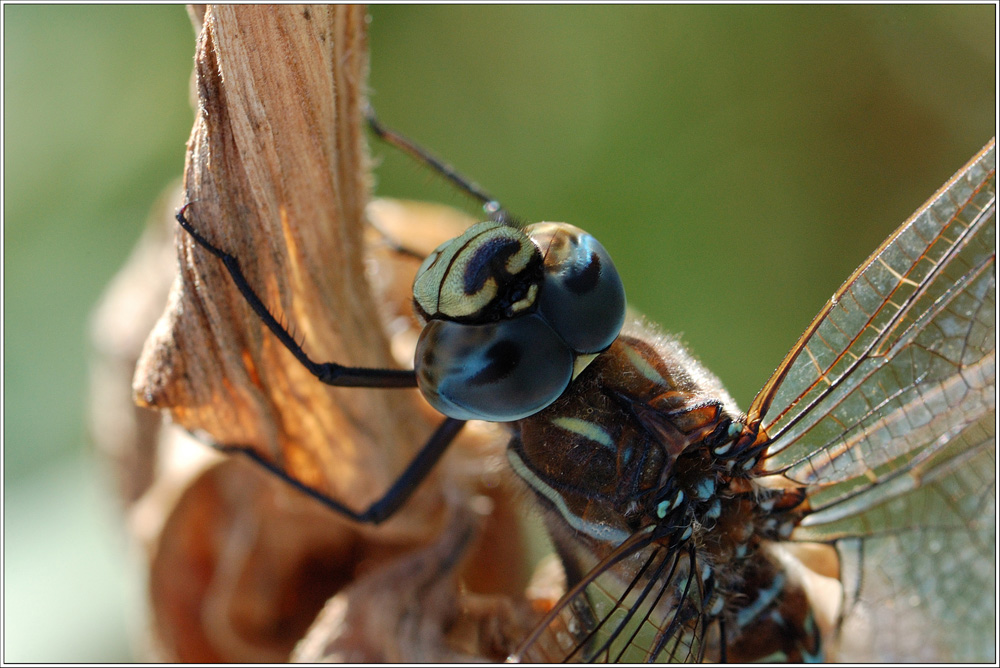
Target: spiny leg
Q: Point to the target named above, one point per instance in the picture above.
(335, 374)
(394, 497)
(394, 245)
(330, 373)
(490, 205)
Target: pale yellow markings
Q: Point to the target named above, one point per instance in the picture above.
(899, 277)
(429, 287)
(517, 262)
(454, 300)
(427, 284)
(643, 366)
(581, 362)
(774, 657)
(588, 430)
(594, 529)
(529, 299)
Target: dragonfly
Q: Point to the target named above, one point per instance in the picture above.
(679, 520)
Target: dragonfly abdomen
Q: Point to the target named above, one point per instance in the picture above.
(772, 619)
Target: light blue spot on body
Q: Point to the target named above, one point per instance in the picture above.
(764, 598)
(714, 510)
(661, 509)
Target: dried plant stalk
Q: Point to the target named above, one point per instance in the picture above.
(277, 172)
(239, 563)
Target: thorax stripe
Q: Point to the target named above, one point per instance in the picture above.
(595, 530)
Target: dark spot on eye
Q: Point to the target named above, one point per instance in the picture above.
(583, 282)
(489, 259)
(502, 358)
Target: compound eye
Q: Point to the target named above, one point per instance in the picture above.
(499, 372)
(582, 296)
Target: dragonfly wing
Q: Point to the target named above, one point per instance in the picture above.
(904, 354)
(655, 616)
(918, 557)
(885, 412)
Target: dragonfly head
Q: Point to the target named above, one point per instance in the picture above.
(508, 313)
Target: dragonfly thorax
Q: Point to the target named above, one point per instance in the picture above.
(510, 314)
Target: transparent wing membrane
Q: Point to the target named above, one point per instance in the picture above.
(642, 604)
(904, 355)
(919, 564)
(886, 412)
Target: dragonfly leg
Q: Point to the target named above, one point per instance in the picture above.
(490, 205)
(723, 656)
(394, 497)
(394, 245)
(330, 373)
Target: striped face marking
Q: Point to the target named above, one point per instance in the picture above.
(512, 317)
(463, 277)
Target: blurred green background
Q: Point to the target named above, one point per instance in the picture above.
(738, 162)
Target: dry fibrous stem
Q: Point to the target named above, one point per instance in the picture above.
(278, 175)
